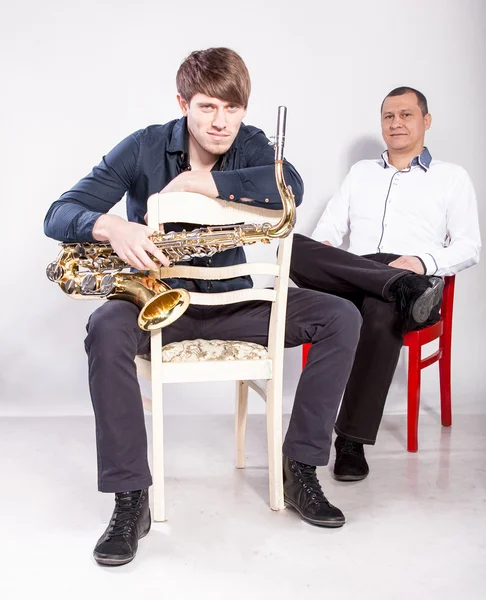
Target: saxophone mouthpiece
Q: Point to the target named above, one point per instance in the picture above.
(280, 137)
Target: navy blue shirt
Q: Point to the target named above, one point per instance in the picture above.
(145, 162)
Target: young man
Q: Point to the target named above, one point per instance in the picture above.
(403, 211)
(209, 151)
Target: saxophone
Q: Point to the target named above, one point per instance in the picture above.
(86, 271)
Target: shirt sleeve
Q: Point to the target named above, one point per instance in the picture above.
(334, 222)
(72, 217)
(464, 239)
(256, 181)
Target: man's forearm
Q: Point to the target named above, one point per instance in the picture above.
(70, 222)
(201, 182)
(258, 185)
(452, 259)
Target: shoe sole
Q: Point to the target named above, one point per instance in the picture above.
(349, 477)
(427, 301)
(329, 524)
(116, 562)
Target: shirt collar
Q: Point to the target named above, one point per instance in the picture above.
(177, 140)
(423, 159)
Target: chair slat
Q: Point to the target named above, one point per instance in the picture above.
(232, 297)
(189, 272)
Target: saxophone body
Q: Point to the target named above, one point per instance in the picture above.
(87, 271)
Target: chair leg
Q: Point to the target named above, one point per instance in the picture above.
(445, 387)
(241, 414)
(157, 430)
(414, 356)
(274, 440)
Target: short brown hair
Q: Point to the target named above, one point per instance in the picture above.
(400, 91)
(216, 72)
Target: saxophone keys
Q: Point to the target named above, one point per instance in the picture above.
(54, 271)
(107, 284)
(69, 286)
(89, 283)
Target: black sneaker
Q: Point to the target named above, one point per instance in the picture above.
(350, 462)
(417, 297)
(303, 492)
(130, 522)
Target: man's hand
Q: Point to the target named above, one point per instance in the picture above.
(327, 243)
(200, 182)
(130, 241)
(412, 263)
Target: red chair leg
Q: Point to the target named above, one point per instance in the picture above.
(414, 355)
(445, 387)
(305, 352)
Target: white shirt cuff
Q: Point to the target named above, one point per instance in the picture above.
(430, 264)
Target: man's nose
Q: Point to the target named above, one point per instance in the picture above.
(396, 122)
(219, 121)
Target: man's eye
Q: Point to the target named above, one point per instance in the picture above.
(388, 117)
(407, 114)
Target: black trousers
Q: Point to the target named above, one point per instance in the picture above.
(366, 282)
(330, 323)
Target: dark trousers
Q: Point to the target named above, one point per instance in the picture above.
(366, 282)
(329, 323)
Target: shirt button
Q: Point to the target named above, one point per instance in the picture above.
(267, 200)
(231, 197)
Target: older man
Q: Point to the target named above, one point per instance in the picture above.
(402, 211)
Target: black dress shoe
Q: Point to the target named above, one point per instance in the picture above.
(350, 462)
(417, 297)
(303, 492)
(130, 522)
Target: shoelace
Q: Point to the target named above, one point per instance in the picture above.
(402, 299)
(311, 484)
(351, 448)
(125, 514)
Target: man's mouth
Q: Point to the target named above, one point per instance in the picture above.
(219, 136)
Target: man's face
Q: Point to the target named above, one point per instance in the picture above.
(212, 123)
(402, 124)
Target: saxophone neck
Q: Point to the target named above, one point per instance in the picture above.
(287, 222)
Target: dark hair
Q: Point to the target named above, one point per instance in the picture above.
(216, 72)
(400, 91)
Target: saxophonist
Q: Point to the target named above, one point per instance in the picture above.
(210, 151)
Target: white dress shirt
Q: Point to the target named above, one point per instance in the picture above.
(427, 210)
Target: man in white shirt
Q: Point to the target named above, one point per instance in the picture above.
(404, 213)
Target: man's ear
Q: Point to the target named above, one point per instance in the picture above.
(428, 121)
(184, 104)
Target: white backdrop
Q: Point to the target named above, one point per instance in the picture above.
(79, 76)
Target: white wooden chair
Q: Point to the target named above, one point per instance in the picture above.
(264, 374)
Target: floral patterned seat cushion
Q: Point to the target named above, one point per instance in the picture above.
(204, 350)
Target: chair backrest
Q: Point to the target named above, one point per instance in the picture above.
(197, 209)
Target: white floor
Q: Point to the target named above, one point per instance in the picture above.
(416, 528)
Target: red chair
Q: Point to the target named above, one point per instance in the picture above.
(414, 340)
